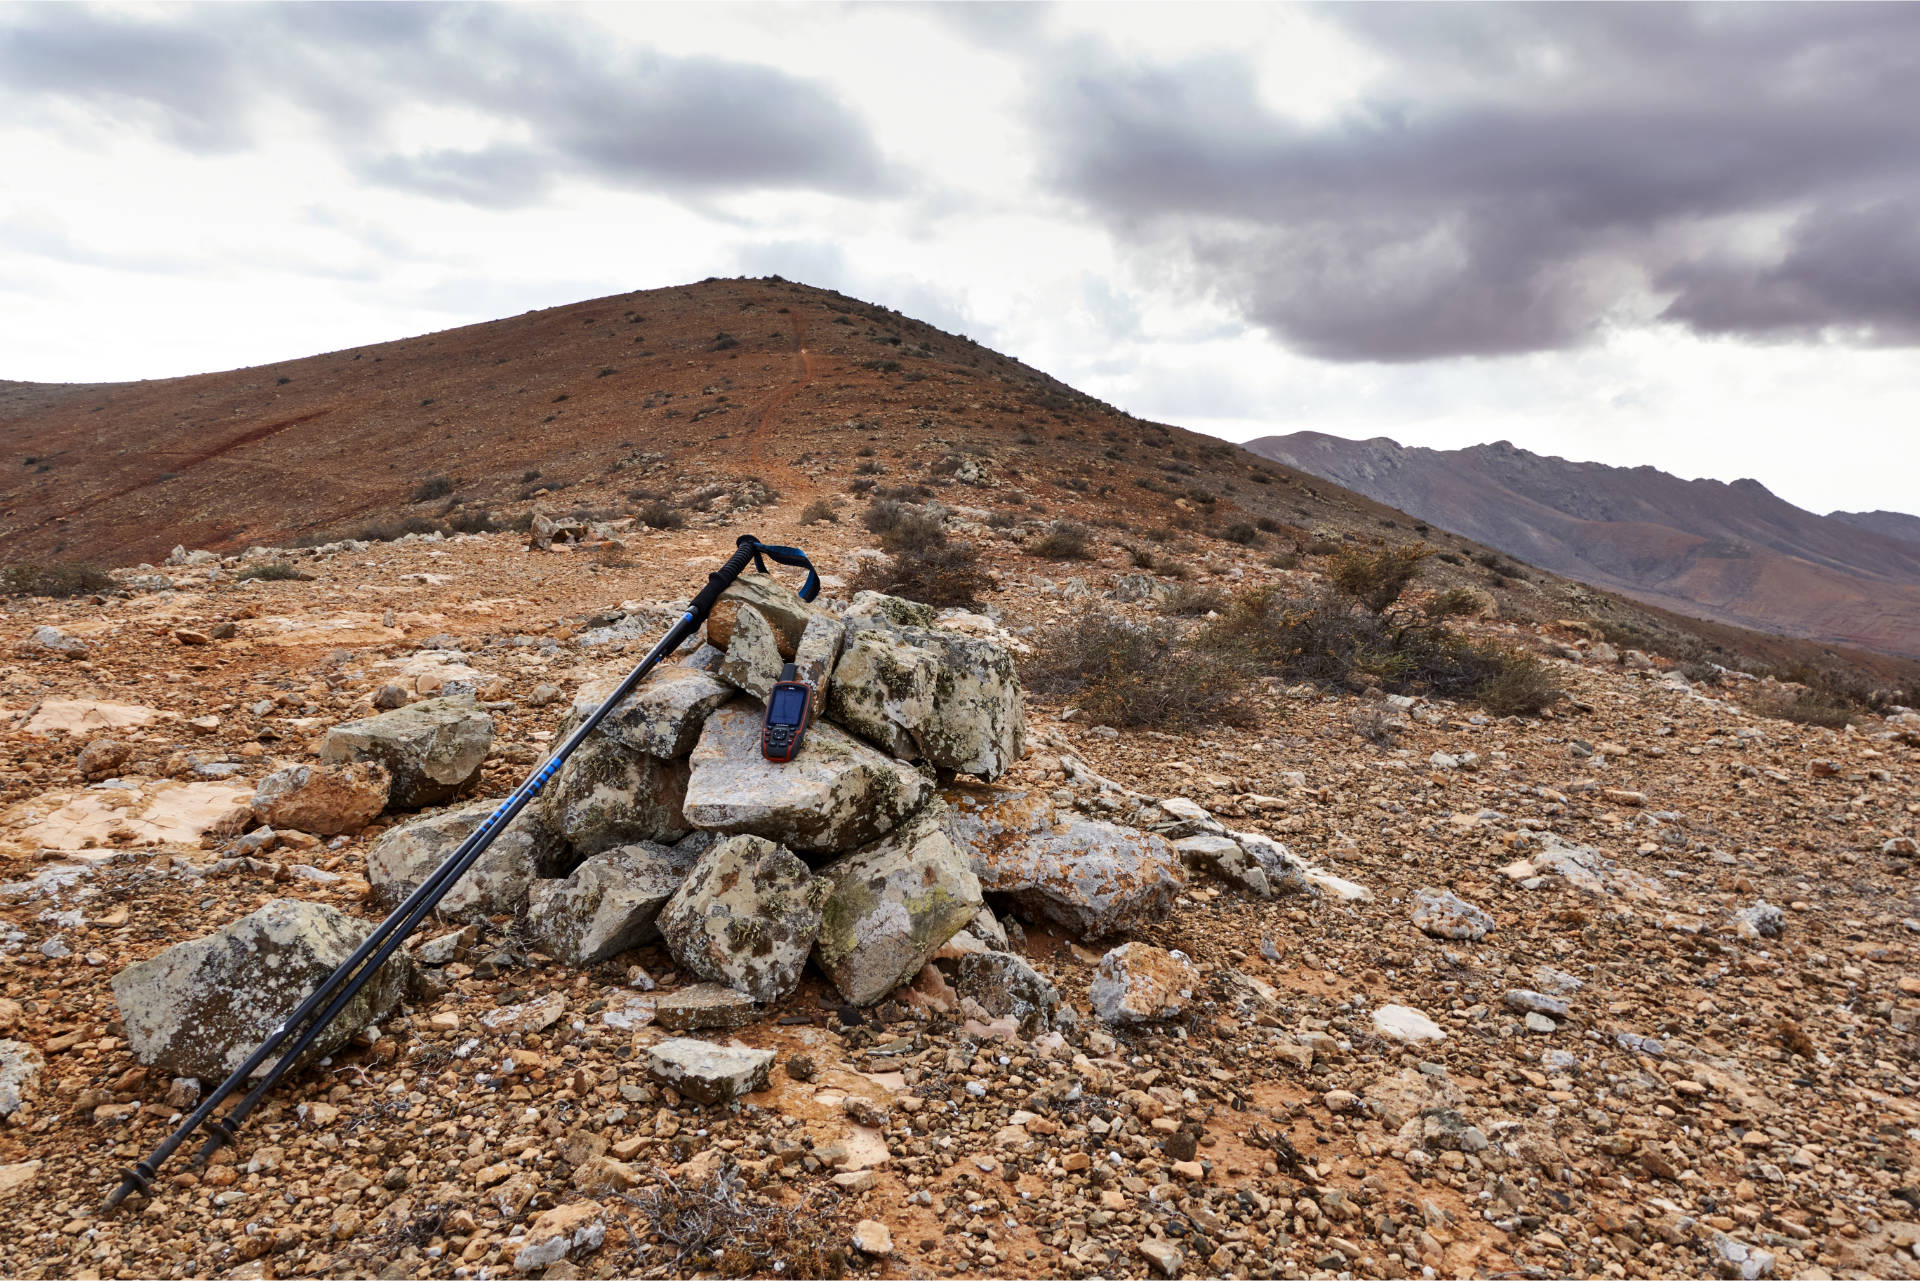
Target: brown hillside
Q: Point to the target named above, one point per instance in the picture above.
(684, 394)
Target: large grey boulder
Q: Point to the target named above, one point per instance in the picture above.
(662, 718)
(610, 794)
(609, 904)
(780, 606)
(883, 689)
(753, 658)
(1089, 877)
(433, 750)
(709, 1073)
(837, 794)
(201, 1007)
(746, 916)
(894, 903)
(921, 691)
(497, 883)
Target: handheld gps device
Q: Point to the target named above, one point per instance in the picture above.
(789, 711)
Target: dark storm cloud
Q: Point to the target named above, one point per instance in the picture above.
(206, 79)
(1528, 176)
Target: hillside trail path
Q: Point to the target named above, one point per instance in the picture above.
(789, 480)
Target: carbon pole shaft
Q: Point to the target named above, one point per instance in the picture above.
(374, 951)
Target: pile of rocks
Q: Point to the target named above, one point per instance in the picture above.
(866, 854)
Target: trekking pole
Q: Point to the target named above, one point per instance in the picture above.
(345, 983)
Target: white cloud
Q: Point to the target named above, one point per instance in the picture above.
(204, 188)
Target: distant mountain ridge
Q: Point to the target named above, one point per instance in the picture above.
(1893, 524)
(1729, 551)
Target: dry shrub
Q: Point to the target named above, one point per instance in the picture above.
(904, 528)
(660, 515)
(431, 488)
(1241, 533)
(1192, 601)
(941, 574)
(718, 1227)
(818, 510)
(60, 580)
(274, 571)
(1324, 639)
(1131, 674)
(1455, 602)
(1065, 541)
(1804, 707)
(1523, 686)
(1376, 578)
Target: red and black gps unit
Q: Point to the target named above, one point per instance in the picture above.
(789, 711)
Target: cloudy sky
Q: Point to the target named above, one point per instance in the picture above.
(1686, 237)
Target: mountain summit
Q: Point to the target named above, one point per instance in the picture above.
(1733, 552)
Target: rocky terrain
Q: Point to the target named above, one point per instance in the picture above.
(1625, 990)
(1351, 982)
(1733, 552)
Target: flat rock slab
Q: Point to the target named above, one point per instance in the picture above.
(166, 812)
(1091, 878)
(432, 750)
(837, 794)
(201, 1007)
(709, 1073)
(1404, 1023)
(705, 1006)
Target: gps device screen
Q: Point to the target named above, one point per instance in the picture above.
(788, 706)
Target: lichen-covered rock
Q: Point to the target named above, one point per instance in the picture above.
(753, 658)
(1285, 872)
(1223, 857)
(817, 654)
(610, 903)
(883, 689)
(497, 883)
(1138, 983)
(837, 794)
(433, 750)
(921, 691)
(780, 606)
(609, 794)
(893, 904)
(323, 800)
(1445, 915)
(709, 1073)
(662, 718)
(1004, 985)
(746, 916)
(20, 1066)
(202, 1006)
(895, 611)
(1089, 877)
